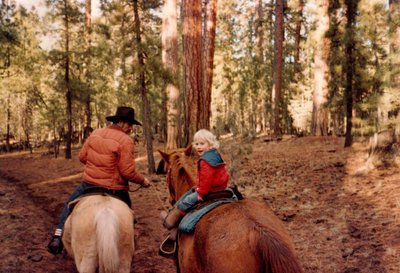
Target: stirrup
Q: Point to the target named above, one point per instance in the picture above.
(167, 248)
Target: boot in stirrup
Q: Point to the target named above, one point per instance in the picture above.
(171, 219)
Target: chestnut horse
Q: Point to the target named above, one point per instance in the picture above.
(242, 236)
(99, 235)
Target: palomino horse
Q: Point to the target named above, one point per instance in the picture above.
(99, 235)
(240, 237)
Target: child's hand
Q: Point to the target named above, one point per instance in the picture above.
(199, 198)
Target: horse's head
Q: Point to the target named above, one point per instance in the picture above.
(181, 175)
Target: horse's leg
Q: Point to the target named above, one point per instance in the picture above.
(67, 237)
(87, 265)
(85, 251)
(187, 256)
(127, 248)
(80, 237)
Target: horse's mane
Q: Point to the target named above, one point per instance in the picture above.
(181, 171)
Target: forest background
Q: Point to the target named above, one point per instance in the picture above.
(238, 67)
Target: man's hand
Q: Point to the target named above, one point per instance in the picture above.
(146, 183)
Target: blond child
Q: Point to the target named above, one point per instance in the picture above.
(212, 175)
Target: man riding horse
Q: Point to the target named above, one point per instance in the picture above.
(108, 155)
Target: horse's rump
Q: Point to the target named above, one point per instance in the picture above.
(99, 235)
(243, 236)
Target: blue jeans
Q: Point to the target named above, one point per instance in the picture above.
(123, 195)
(66, 211)
(188, 200)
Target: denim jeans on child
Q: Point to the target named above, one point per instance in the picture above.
(188, 200)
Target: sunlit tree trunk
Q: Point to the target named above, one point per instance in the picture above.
(143, 91)
(351, 11)
(319, 123)
(208, 61)
(276, 96)
(169, 39)
(192, 63)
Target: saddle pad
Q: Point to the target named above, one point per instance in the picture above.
(190, 220)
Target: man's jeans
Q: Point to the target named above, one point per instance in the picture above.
(66, 211)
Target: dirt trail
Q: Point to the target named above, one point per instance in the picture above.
(339, 222)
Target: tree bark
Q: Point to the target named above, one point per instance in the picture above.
(143, 91)
(394, 6)
(256, 123)
(349, 67)
(276, 96)
(169, 37)
(88, 23)
(68, 93)
(192, 63)
(319, 123)
(208, 62)
(297, 35)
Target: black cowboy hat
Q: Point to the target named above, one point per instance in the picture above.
(124, 113)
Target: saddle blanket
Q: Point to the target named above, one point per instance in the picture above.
(189, 221)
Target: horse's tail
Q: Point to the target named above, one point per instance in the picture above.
(107, 232)
(278, 255)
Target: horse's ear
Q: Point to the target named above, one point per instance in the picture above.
(188, 150)
(165, 156)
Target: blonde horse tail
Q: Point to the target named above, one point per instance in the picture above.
(107, 232)
(278, 255)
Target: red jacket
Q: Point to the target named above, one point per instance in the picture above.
(108, 155)
(211, 173)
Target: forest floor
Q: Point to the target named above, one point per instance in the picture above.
(339, 221)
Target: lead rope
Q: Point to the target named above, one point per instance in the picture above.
(156, 192)
(138, 188)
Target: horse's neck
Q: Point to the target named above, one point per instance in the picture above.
(182, 189)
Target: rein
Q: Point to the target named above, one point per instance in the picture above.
(137, 188)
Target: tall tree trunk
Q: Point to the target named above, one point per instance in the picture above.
(68, 94)
(257, 106)
(394, 6)
(297, 35)
(349, 67)
(169, 37)
(276, 96)
(191, 13)
(143, 91)
(8, 63)
(319, 123)
(88, 23)
(208, 62)
(122, 65)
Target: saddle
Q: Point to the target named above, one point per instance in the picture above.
(98, 191)
(211, 201)
(168, 247)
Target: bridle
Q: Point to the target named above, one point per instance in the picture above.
(171, 190)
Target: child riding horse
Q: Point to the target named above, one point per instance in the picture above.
(242, 236)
